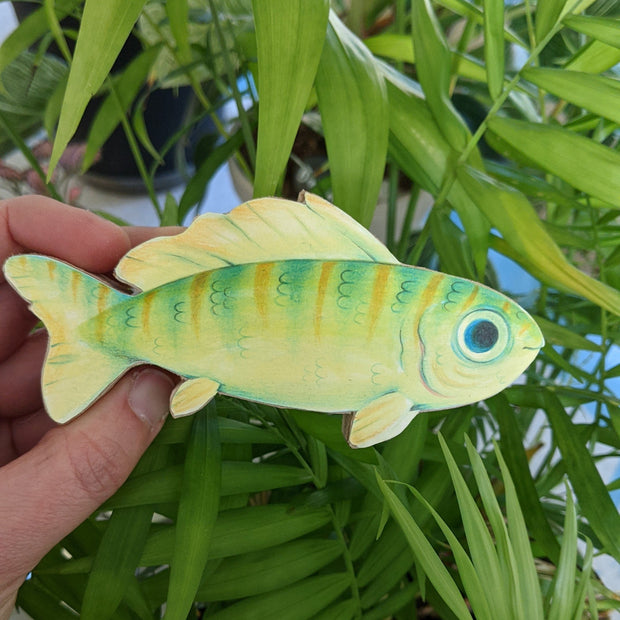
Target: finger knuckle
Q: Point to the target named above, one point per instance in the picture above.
(98, 466)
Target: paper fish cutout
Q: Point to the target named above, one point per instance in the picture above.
(293, 304)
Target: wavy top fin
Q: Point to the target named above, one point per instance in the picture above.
(261, 230)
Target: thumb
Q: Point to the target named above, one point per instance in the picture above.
(50, 490)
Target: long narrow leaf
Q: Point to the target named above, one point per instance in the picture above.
(563, 585)
(594, 57)
(120, 549)
(198, 508)
(29, 30)
(516, 219)
(528, 596)
(515, 456)
(434, 67)
(602, 29)
(237, 477)
(353, 104)
(268, 569)
(596, 93)
(594, 501)
(484, 555)
(300, 601)
(425, 554)
(494, 45)
(104, 29)
(421, 151)
(243, 530)
(547, 14)
(477, 594)
(109, 115)
(554, 149)
(177, 12)
(289, 38)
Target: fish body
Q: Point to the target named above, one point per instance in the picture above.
(335, 329)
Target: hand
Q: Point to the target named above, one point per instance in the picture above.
(53, 477)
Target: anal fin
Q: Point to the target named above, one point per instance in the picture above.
(191, 395)
(383, 418)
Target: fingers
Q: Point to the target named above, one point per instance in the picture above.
(140, 234)
(76, 467)
(18, 435)
(40, 224)
(20, 377)
(15, 321)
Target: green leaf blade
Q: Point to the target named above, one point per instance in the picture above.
(484, 556)
(494, 45)
(353, 104)
(118, 554)
(434, 66)
(594, 500)
(603, 29)
(554, 149)
(520, 226)
(563, 586)
(268, 569)
(103, 31)
(300, 601)
(596, 93)
(198, 508)
(425, 554)
(109, 114)
(528, 598)
(289, 37)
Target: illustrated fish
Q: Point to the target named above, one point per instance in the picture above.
(288, 303)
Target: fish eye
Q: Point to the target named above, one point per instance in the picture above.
(482, 335)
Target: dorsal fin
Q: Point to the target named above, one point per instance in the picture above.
(266, 229)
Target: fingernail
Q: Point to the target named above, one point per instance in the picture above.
(149, 397)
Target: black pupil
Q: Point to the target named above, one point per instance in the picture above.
(484, 335)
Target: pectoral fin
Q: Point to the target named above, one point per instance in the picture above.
(384, 418)
(191, 395)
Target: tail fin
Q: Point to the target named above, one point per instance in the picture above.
(75, 372)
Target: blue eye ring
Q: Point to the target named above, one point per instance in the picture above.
(483, 336)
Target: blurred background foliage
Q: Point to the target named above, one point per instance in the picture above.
(506, 115)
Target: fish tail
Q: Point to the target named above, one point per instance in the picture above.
(75, 372)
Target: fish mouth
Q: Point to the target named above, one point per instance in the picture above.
(535, 342)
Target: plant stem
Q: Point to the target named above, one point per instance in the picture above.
(348, 562)
(391, 206)
(135, 151)
(232, 82)
(450, 175)
(405, 231)
(27, 153)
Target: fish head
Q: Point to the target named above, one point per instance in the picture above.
(473, 342)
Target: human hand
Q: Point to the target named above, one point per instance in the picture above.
(53, 477)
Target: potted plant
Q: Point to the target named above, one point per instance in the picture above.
(478, 509)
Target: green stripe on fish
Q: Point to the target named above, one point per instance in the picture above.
(290, 304)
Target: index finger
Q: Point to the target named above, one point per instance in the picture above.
(40, 224)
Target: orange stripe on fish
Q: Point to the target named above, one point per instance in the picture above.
(427, 296)
(262, 274)
(51, 270)
(326, 271)
(147, 302)
(75, 282)
(100, 320)
(377, 299)
(470, 300)
(196, 296)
